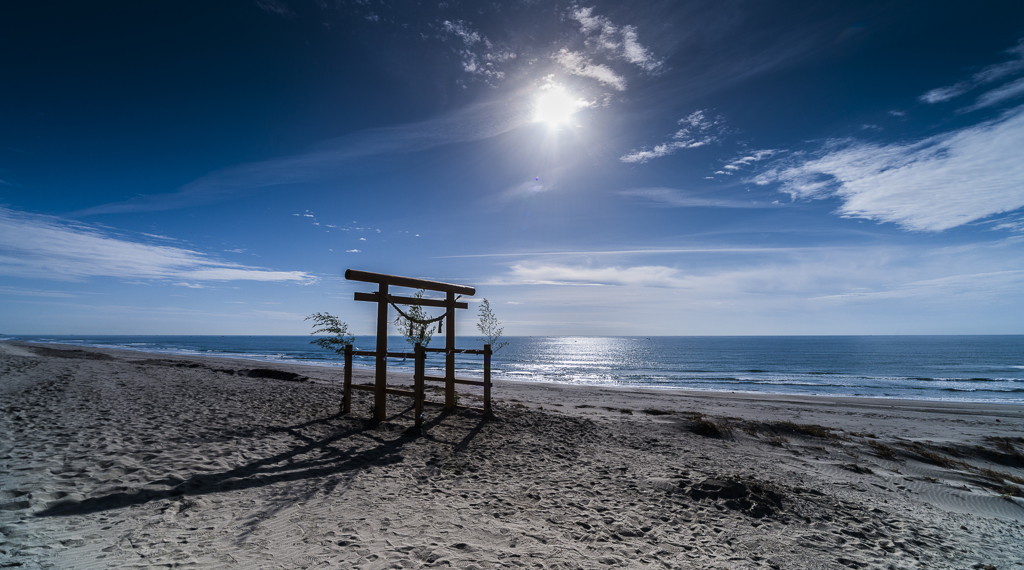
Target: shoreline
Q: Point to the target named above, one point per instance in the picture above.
(120, 458)
(794, 397)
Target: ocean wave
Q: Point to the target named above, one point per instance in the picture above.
(1001, 391)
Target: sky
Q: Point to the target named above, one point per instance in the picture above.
(600, 168)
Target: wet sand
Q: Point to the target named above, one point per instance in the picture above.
(115, 459)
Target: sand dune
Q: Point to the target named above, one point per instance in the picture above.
(114, 459)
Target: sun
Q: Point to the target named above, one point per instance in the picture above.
(556, 107)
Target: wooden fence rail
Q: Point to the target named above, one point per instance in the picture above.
(419, 377)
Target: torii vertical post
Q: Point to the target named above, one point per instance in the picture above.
(449, 356)
(380, 384)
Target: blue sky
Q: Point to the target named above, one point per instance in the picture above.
(653, 168)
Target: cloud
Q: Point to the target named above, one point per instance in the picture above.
(604, 40)
(696, 130)
(635, 53)
(352, 251)
(987, 75)
(804, 278)
(620, 42)
(331, 159)
(936, 184)
(35, 292)
(634, 252)
(479, 56)
(47, 247)
(1011, 90)
(577, 63)
(946, 93)
(528, 188)
(462, 31)
(551, 274)
(673, 198)
(275, 7)
(746, 160)
(977, 284)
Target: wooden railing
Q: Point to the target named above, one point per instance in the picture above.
(419, 378)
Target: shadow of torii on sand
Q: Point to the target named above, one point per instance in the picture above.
(293, 465)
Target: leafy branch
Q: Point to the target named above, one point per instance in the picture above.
(326, 323)
(490, 327)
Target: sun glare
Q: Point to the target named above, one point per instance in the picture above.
(556, 107)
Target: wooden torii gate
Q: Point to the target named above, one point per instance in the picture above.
(383, 298)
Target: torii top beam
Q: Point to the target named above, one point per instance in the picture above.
(381, 278)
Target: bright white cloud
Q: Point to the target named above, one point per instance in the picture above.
(636, 53)
(939, 183)
(620, 42)
(577, 63)
(50, 248)
(746, 160)
(696, 130)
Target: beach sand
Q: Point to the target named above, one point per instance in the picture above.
(113, 459)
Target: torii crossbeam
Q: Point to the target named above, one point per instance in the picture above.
(382, 298)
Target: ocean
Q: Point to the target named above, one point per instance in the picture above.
(953, 368)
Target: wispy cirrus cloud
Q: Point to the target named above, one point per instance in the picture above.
(20, 291)
(47, 247)
(938, 183)
(331, 159)
(676, 198)
(800, 277)
(988, 284)
(989, 74)
(696, 130)
(552, 274)
(1006, 92)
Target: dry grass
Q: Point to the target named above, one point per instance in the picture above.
(1011, 490)
(705, 426)
(1002, 450)
(882, 450)
(936, 458)
(806, 430)
(999, 476)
